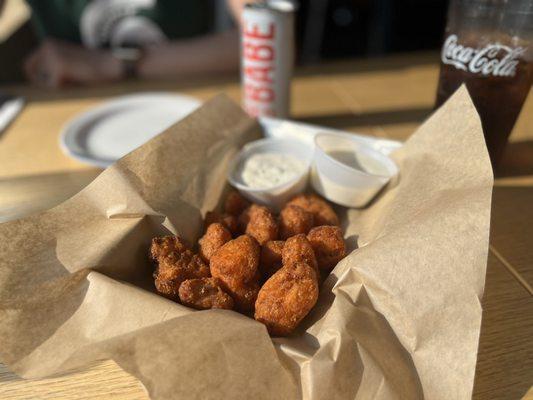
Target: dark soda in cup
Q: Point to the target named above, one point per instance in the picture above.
(487, 46)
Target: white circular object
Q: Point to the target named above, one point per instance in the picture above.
(275, 196)
(111, 130)
(347, 172)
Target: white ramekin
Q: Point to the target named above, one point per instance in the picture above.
(343, 184)
(274, 197)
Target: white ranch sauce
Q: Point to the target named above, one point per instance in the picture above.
(266, 170)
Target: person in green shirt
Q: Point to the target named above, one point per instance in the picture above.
(86, 42)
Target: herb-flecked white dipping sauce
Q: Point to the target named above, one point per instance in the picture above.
(266, 170)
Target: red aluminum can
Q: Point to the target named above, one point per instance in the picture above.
(267, 57)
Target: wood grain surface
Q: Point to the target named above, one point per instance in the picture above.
(383, 97)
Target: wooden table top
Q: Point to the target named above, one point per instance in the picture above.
(383, 97)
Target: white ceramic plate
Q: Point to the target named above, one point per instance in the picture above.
(111, 130)
(103, 134)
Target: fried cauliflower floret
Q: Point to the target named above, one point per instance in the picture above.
(258, 222)
(322, 212)
(175, 268)
(271, 257)
(214, 238)
(244, 296)
(236, 265)
(328, 245)
(297, 249)
(164, 245)
(235, 204)
(229, 221)
(286, 298)
(204, 293)
(294, 220)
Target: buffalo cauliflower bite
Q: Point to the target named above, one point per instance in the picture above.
(229, 221)
(322, 212)
(164, 245)
(294, 220)
(328, 245)
(235, 204)
(236, 265)
(271, 257)
(298, 249)
(253, 261)
(286, 298)
(258, 222)
(204, 293)
(175, 268)
(214, 238)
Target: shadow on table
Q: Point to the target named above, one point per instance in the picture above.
(372, 64)
(510, 233)
(35, 94)
(517, 160)
(23, 195)
(347, 120)
(7, 376)
(222, 80)
(504, 364)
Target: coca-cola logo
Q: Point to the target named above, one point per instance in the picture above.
(493, 59)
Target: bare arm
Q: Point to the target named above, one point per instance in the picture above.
(214, 53)
(57, 64)
(210, 54)
(236, 7)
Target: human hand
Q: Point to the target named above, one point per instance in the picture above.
(57, 64)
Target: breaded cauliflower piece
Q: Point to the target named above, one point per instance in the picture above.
(236, 265)
(286, 298)
(328, 245)
(204, 293)
(322, 212)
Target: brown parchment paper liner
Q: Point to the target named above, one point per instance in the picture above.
(399, 318)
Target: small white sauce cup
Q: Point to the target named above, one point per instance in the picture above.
(343, 184)
(276, 196)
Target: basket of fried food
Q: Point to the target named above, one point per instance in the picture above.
(254, 262)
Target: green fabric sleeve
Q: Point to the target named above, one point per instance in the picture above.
(177, 19)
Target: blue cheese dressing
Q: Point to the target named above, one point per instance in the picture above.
(267, 170)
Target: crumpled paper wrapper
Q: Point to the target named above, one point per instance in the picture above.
(398, 318)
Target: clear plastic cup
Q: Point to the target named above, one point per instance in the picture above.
(488, 46)
(347, 172)
(276, 196)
